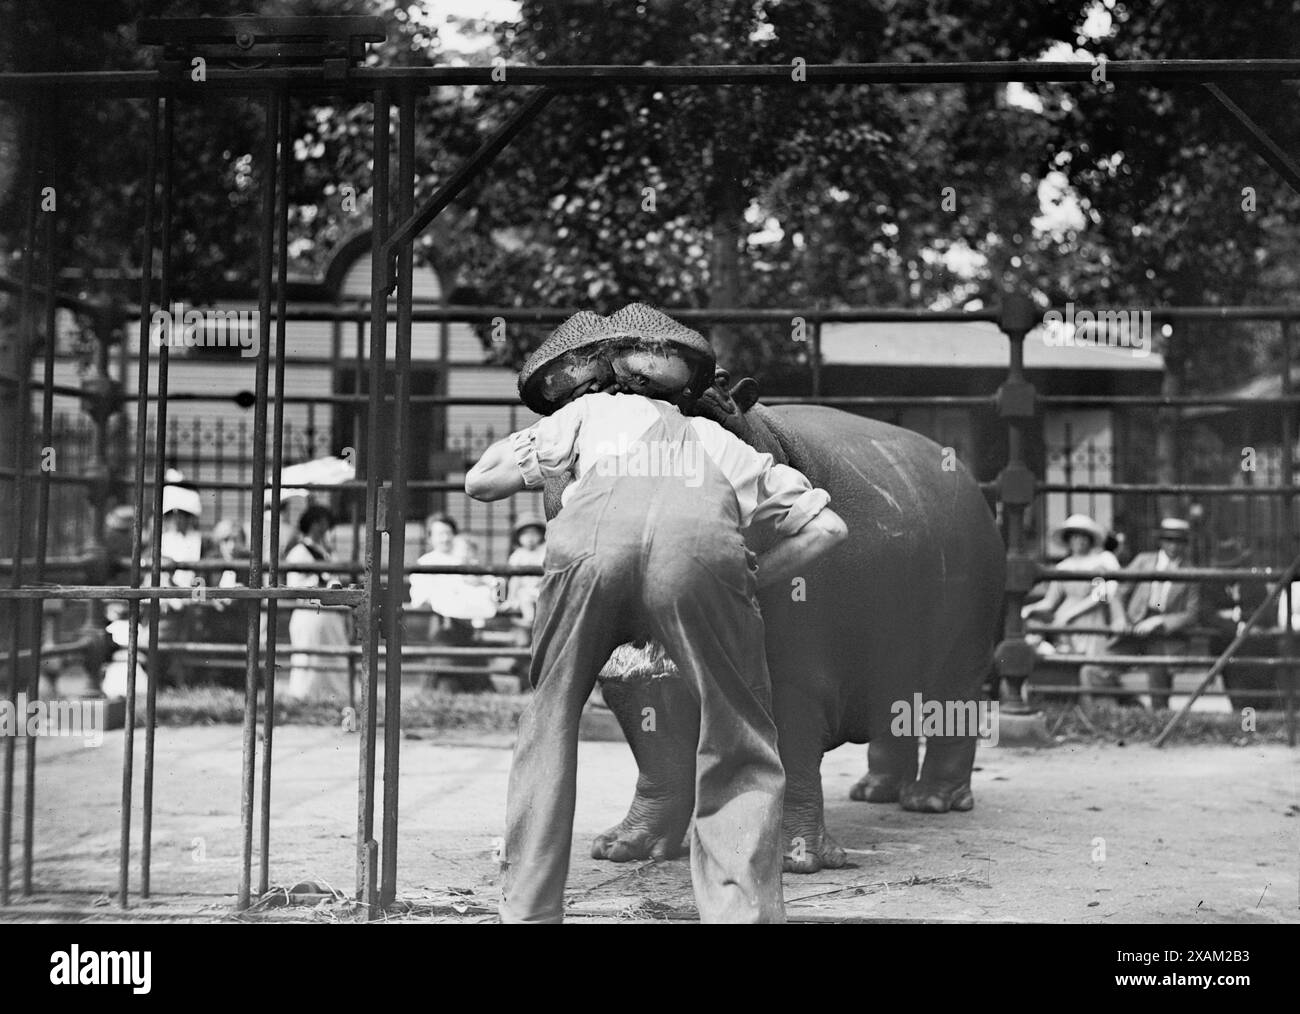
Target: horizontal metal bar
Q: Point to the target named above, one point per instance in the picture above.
(1138, 661)
(1187, 633)
(57, 650)
(1070, 690)
(327, 596)
(408, 650)
(255, 80)
(341, 566)
(1165, 401)
(1183, 574)
(65, 390)
(1174, 489)
(426, 310)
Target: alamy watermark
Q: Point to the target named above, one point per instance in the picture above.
(1126, 329)
(657, 458)
(919, 717)
(179, 328)
(83, 720)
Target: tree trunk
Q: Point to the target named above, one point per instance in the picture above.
(724, 260)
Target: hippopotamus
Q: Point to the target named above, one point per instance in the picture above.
(910, 603)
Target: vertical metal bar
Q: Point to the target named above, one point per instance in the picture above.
(355, 505)
(815, 356)
(1014, 656)
(358, 377)
(42, 506)
(21, 449)
(398, 499)
(1288, 676)
(160, 467)
(141, 434)
(367, 847)
(277, 464)
(258, 488)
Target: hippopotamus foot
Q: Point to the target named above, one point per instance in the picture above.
(876, 789)
(661, 810)
(808, 851)
(945, 777)
(654, 828)
(891, 766)
(632, 840)
(929, 797)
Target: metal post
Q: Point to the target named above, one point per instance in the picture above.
(367, 847)
(277, 465)
(1016, 488)
(1288, 676)
(141, 430)
(20, 452)
(159, 470)
(258, 486)
(42, 512)
(397, 501)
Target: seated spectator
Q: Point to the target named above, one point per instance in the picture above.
(1155, 610)
(312, 675)
(1225, 609)
(455, 599)
(225, 621)
(529, 550)
(180, 541)
(521, 592)
(1090, 602)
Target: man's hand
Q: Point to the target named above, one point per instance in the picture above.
(790, 556)
(1151, 625)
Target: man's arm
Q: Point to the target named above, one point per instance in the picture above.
(523, 459)
(496, 475)
(1185, 617)
(794, 553)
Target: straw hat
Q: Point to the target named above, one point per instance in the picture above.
(1081, 523)
(1174, 528)
(576, 353)
(178, 498)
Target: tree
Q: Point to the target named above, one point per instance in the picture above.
(788, 195)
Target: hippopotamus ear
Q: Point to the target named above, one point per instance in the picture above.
(745, 393)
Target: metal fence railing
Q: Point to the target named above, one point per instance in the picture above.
(310, 74)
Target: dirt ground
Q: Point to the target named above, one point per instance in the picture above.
(1092, 834)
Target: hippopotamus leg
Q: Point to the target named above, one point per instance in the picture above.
(945, 777)
(945, 773)
(891, 765)
(663, 741)
(797, 664)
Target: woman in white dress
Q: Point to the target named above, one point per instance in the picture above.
(456, 600)
(314, 676)
(1088, 602)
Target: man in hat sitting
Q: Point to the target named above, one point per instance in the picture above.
(1155, 610)
(650, 544)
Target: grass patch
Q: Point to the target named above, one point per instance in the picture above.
(426, 709)
(1106, 722)
(431, 710)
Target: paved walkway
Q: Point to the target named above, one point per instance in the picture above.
(1069, 834)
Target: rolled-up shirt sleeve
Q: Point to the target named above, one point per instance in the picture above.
(550, 446)
(788, 499)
